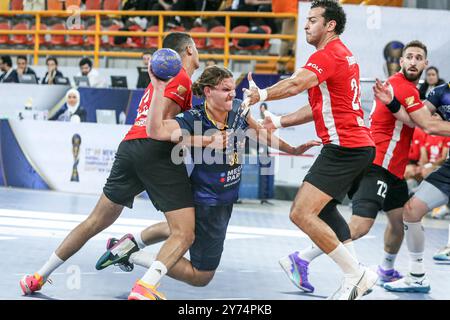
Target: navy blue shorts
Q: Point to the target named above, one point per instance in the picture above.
(441, 178)
(211, 223)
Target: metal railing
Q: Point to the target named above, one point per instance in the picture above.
(98, 52)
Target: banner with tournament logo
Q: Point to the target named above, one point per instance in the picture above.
(71, 157)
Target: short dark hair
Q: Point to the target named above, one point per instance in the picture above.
(86, 61)
(177, 41)
(416, 44)
(22, 57)
(333, 11)
(51, 59)
(7, 60)
(146, 53)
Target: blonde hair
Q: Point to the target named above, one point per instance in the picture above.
(210, 77)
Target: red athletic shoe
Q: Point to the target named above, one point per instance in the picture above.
(143, 291)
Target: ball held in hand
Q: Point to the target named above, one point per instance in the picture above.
(165, 63)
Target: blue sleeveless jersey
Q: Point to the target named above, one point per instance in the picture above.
(214, 182)
(440, 98)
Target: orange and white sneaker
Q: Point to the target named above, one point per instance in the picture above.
(30, 284)
(143, 291)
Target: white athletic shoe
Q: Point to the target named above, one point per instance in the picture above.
(349, 290)
(409, 284)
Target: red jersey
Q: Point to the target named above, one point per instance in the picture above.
(416, 143)
(335, 102)
(434, 146)
(393, 137)
(178, 90)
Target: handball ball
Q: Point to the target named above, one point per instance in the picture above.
(165, 63)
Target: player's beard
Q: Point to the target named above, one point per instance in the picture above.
(411, 77)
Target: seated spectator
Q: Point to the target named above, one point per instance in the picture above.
(52, 71)
(33, 5)
(95, 80)
(144, 78)
(200, 5)
(251, 6)
(22, 66)
(431, 80)
(71, 110)
(9, 74)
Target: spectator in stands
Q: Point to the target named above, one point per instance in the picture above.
(52, 71)
(431, 80)
(71, 110)
(144, 78)
(251, 6)
(9, 74)
(34, 5)
(95, 80)
(22, 66)
(200, 5)
(287, 28)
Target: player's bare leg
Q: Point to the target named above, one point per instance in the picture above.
(307, 205)
(103, 215)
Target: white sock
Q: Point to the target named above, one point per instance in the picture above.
(415, 241)
(142, 258)
(448, 241)
(139, 241)
(388, 261)
(154, 274)
(344, 259)
(309, 254)
(52, 263)
(351, 248)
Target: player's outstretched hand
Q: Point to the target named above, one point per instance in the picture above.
(219, 140)
(383, 91)
(305, 147)
(252, 93)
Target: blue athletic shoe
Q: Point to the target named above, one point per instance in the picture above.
(409, 284)
(443, 254)
(297, 271)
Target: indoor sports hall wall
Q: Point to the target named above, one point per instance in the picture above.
(370, 28)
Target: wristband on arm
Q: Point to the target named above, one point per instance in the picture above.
(394, 106)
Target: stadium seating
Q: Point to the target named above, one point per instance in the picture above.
(111, 5)
(58, 40)
(4, 38)
(151, 42)
(70, 3)
(199, 42)
(54, 5)
(75, 40)
(42, 38)
(16, 4)
(93, 4)
(20, 39)
(216, 43)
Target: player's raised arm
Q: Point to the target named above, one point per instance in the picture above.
(156, 127)
(300, 81)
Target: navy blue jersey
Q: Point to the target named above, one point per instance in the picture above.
(440, 98)
(216, 175)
